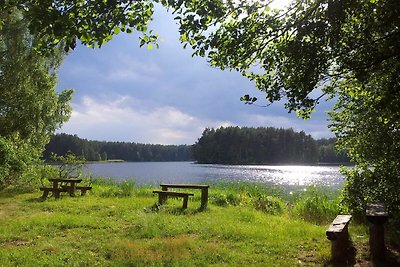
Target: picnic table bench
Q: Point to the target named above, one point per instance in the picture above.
(83, 189)
(56, 191)
(338, 234)
(162, 196)
(204, 190)
(64, 185)
(377, 216)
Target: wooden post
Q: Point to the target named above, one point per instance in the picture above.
(56, 193)
(162, 198)
(338, 234)
(377, 216)
(339, 246)
(185, 202)
(204, 197)
(71, 189)
(45, 192)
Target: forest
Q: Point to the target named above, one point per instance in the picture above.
(230, 145)
(264, 145)
(61, 144)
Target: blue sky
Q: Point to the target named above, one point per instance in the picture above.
(163, 96)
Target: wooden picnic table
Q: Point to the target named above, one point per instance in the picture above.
(204, 190)
(68, 183)
(61, 185)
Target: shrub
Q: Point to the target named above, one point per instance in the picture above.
(270, 205)
(224, 200)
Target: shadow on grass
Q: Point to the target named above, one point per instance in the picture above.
(348, 260)
(156, 208)
(392, 259)
(36, 199)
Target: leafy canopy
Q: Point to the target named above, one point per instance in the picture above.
(348, 49)
(30, 109)
(290, 53)
(287, 53)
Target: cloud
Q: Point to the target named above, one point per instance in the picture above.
(127, 93)
(125, 118)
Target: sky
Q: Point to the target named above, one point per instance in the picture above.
(164, 96)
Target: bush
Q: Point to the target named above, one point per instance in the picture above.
(270, 205)
(224, 200)
(369, 185)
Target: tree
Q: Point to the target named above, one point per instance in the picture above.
(367, 122)
(350, 50)
(289, 53)
(234, 145)
(30, 109)
(347, 49)
(93, 22)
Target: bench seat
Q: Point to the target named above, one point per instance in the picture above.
(163, 195)
(56, 191)
(204, 190)
(83, 189)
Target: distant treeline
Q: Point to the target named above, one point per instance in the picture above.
(235, 145)
(230, 145)
(61, 144)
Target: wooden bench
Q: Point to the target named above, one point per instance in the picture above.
(162, 196)
(338, 234)
(204, 190)
(56, 191)
(377, 216)
(83, 189)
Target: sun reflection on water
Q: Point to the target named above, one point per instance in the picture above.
(188, 172)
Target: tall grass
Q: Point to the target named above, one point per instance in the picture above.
(314, 203)
(106, 187)
(317, 205)
(245, 224)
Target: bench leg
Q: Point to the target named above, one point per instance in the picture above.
(204, 197)
(56, 194)
(185, 202)
(45, 194)
(377, 241)
(162, 198)
(83, 192)
(339, 246)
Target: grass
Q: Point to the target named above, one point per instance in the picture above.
(120, 225)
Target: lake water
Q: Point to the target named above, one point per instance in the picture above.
(154, 173)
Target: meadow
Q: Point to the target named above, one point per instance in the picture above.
(245, 224)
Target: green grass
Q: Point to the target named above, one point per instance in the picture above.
(120, 225)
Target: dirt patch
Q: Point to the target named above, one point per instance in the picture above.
(16, 243)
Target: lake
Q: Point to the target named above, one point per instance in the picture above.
(153, 173)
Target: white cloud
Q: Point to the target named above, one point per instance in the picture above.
(127, 119)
